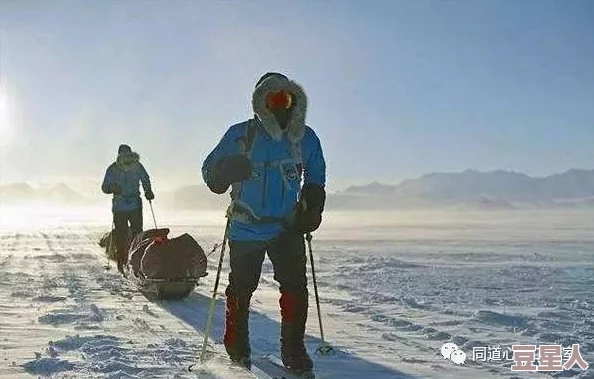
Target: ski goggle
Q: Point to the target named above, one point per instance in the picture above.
(279, 100)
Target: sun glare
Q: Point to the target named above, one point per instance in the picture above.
(5, 126)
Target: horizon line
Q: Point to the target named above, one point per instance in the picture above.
(68, 182)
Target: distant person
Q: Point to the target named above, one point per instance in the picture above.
(122, 181)
(264, 160)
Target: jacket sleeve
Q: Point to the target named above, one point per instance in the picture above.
(144, 178)
(108, 180)
(314, 162)
(227, 146)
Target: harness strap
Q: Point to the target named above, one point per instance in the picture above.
(246, 143)
(240, 211)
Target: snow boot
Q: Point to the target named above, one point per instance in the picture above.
(236, 337)
(243, 362)
(293, 318)
(122, 260)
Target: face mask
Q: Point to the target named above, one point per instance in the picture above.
(279, 100)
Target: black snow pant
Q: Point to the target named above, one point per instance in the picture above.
(287, 254)
(121, 220)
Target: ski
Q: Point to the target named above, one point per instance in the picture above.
(262, 367)
(275, 368)
(167, 280)
(219, 364)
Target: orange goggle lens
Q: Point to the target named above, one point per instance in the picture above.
(279, 100)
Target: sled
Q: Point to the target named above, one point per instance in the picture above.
(162, 268)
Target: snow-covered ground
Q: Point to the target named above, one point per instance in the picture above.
(394, 288)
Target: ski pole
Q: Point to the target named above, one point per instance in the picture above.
(214, 293)
(324, 348)
(153, 212)
(110, 246)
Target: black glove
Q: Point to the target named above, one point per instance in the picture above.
(149, 195)
(227, 171)
(309, 209)
(116, 189)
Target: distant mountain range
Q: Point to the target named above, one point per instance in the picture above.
(463, 190)
(474, 189)
(59, 193)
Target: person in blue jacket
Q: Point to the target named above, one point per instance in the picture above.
(121, 180)
(277, 173)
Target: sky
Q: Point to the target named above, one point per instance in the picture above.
(396, 89)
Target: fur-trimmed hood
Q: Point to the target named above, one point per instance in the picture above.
(128, 161)
(296, 121)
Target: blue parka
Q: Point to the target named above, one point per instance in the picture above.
(282, 161)
(128, 173)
